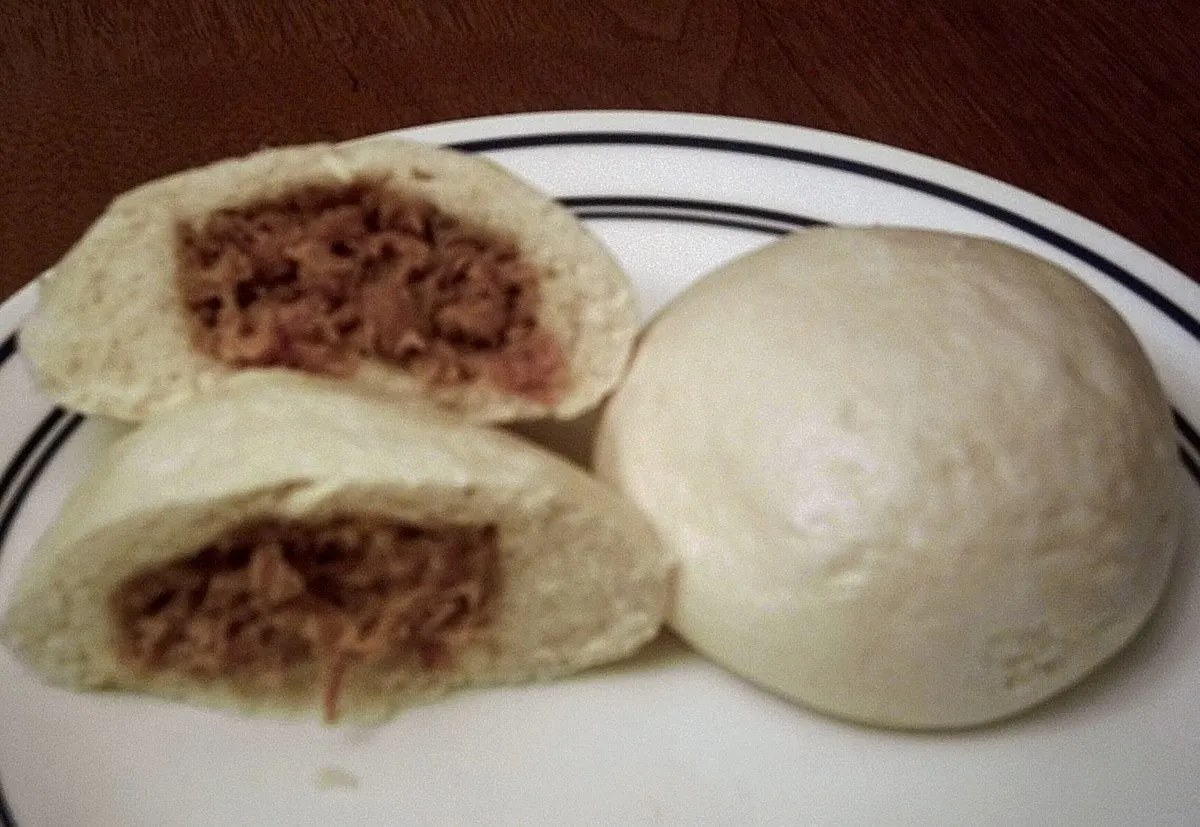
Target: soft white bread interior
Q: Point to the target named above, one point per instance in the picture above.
(110, 335)
(585, 579)
(913, 479)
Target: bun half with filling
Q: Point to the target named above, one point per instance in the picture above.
(432, 276)
(284, 547)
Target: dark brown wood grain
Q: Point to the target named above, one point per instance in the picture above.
(1091, 103)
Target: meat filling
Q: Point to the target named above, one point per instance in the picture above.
(273, 598)
(330, 275)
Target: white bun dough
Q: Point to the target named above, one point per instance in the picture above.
(914, 479)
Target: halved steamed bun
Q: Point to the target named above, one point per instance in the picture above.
(432, 276)
(285, 547)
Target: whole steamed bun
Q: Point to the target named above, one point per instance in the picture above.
(915, 479)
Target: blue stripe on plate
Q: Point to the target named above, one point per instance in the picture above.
(1072, 248)
(18, 460)
(7, 348)
(9, 515)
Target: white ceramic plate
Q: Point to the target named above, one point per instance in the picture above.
(667, 738)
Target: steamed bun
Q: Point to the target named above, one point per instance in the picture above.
(915, 479)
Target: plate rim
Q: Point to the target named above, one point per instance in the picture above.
(754, 130)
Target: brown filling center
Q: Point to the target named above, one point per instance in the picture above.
(272, 596)
(330, 275)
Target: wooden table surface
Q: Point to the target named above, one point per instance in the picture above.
(1094, 104)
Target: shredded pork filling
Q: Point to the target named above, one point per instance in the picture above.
(330, 275)
(274, 596)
